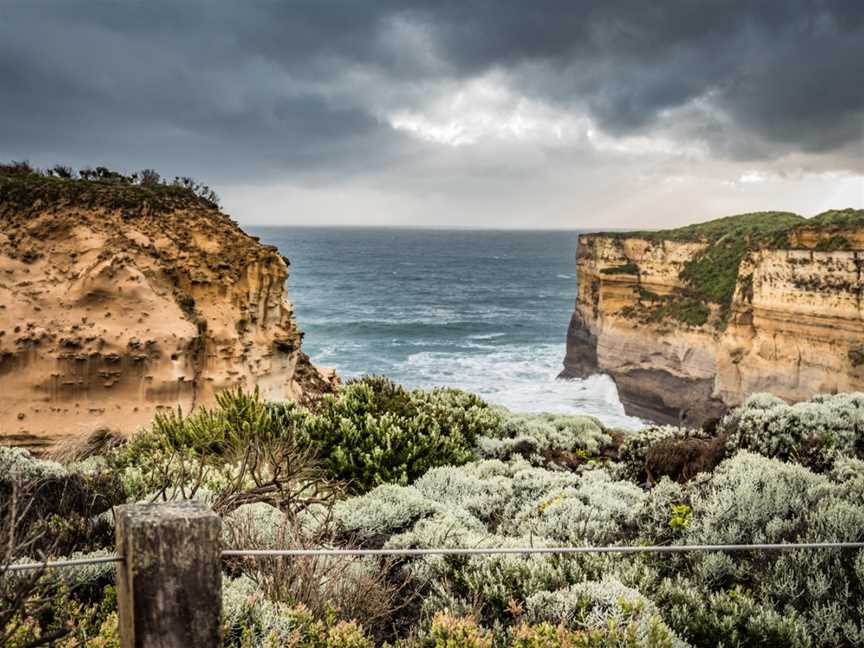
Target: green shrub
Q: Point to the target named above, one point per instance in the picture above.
(546, 438)
(453, 631)
(753, 499)
(727, 617)
(239, 420)
(374, 432)
(241, 451)
(71, 618)
(597, 511)
(58, 510)
(608, 607)
(687, 310)
(250, 620)
(814, 433)
(17, 464)
(387, 509)
(654, 308)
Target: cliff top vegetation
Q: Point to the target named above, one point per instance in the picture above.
(756, 228)
(24, 188)
(843, 217)
(712, 273)
(754, 225)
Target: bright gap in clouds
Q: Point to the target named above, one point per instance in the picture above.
(489, 156)
(486, 110)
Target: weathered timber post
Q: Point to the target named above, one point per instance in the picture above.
(169, 585)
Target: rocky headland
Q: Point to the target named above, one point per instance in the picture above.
(119, 299)
(689, 322)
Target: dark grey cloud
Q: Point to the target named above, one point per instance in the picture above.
(239, 89)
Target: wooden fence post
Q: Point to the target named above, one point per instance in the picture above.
(169, 585)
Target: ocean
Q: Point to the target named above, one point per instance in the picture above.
(486, 311)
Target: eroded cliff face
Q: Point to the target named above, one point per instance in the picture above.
(113, 309)
(794, 325)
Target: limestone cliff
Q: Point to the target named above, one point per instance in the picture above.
(689, 322)
(117, 300)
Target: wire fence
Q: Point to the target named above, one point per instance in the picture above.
(480, 551)
(469, 551)
(58, 564)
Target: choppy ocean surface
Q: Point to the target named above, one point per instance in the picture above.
(486, 311)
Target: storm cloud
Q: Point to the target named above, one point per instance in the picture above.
(415, 99)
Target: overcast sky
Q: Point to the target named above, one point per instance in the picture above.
(559, 114)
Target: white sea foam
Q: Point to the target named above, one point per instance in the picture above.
(520, 379)
(486, 336)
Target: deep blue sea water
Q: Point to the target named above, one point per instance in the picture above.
(486, 311)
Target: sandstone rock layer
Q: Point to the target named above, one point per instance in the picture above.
(794, 326)
(114, 306)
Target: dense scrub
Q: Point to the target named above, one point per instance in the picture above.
(381, 466)
(24, 189)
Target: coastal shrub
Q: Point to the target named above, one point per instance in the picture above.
(67, 606)
(635, 448)
(485, 496)
(752, 499)
(606, 605)
(813, 433)
(457, 632)
(61, 615)
(458, 412)
(250, 620)
(546, 438)
(19, 465)
(747, 498)
(104, 187)
(387, 509)
(666, 512)
(454, 631)
(531, 483)
(727, 617)
(492, 581)
(255, 526)
(57, 510)
(331, 588)
(597, 511)
(506, 482)
(239, 420)
(241, 451)
(847, 469)
(375, 432)
(492, 503)
(17, 168)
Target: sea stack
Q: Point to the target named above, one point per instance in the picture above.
(118, 300)
(689, 322)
